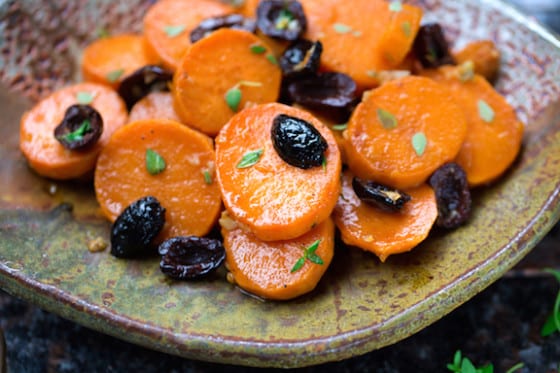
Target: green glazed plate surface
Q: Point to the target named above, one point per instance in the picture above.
(360, 305)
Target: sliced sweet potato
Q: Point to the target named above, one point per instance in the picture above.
(108, 60)
(270, 269)
(383, 232)
(154, 105)
(183, 183)
(484, 55)
(45, 154)
(168, 25)
(403, 131)
(220, 75)
(271, 198)
(494, 135)
(361, 39)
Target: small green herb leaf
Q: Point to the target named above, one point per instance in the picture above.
(552, 324)
(464, 365)
(257, 49)
(233, 98)
(300, 262)
(207, 177)
(485, 111)
(250, 158)
(84, 98)
(395, 6)
(78, 134)
(406, 28)
(173, 31)
(114, 75)
(313, 247)
(155, 163)
(283, 20)
(341, 28)
(272, 59)
(387, 119)
(419, 142)
(515, 367)
(339, 127)
(314, 258)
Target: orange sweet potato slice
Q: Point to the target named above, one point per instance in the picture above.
(215, 66)
(270, 269)
(45, 154)
(403, 131)
(168, 24)
(154, 105)
(185, 187)
(494, 135)
(363, 38)
(108, 60)
(382, 232)
(271, 198)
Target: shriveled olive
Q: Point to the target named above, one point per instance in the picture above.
(234, 21)
(301, 58)
(281, 19)
(379, 195)
(452, 195)
(136, 227)
(189, 257)
(297, 142)
(431, 47)
(146, 79)
(80, 128)
(323, 91)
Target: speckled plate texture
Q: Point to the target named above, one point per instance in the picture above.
(360, 305)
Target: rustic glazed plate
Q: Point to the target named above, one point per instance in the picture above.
(360, 305)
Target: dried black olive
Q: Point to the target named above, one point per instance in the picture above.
(379, 195)
(234, 21)
(80, 128)
(452, 195)
(136, 227)
(297, 142)
(146, 79)
(323, 91)
(431, 47)
(301, 58)
(281, 19)
(189, 257)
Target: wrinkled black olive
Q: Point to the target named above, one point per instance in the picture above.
(379, 195)
(189, 257)
(234, 21)
(146, 79)
(80, 128)
(452, 195)
(301, 58)
(297, 142)
(281, 19)
(431, 47)
(323, 91)
(136, 227)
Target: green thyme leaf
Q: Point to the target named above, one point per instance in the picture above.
(395, 6)
(341, 28)
(406, 29)
(387, 119)
(173, 31)
(155, 163)
(300, 262)
(339, 127)
(257, 49)
(270, 57)
(78, 133)
(250, 158)
(84, 98)
(233, 98)
(485, 111)
(419, 142)
(314, 258)
(284, 19)
(114, 75)
(207, 177)
(313, 247)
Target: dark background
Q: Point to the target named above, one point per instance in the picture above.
(500, 326)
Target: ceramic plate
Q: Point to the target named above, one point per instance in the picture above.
(360, 305)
